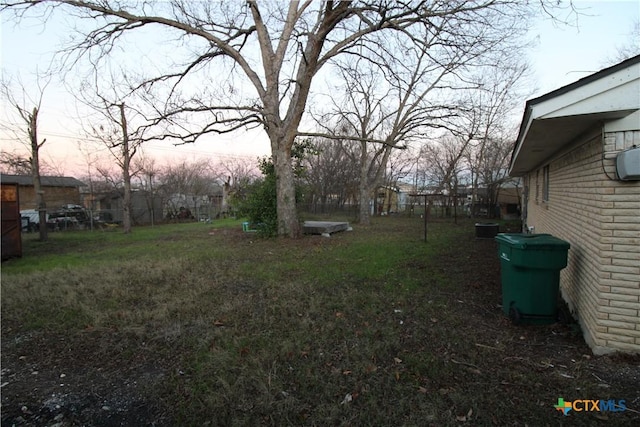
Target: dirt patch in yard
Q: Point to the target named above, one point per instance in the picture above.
(486, 371)
(89, 378)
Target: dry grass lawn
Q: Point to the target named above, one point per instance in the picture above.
(202, 324)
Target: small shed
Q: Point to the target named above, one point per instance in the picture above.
(11, 222)
(58, 190)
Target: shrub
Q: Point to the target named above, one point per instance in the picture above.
(259, 205)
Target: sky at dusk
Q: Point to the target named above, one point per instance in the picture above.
(560, 56)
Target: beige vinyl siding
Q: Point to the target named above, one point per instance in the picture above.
(600, 217)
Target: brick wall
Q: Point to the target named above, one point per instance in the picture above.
(600, 217)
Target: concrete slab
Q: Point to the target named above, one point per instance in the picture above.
(324, 227)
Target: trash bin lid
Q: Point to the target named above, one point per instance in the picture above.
(532, 241)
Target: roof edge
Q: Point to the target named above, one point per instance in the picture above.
(585, 80)
(528, 109)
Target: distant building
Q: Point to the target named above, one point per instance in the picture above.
(58, 191)
(146, 207)
(501, 202)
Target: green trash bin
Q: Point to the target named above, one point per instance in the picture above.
(530, 273)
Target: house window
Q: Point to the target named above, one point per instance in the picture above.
(545, 184)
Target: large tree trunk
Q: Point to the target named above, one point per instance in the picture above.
(40, 205)
(370, 178)
(364, 212)
(126, 203)
(364, 187)
(224, 205)
(288, 223)
(126, 175)
(35, 172)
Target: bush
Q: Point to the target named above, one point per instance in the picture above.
(260, 205)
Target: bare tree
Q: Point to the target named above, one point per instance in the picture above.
(14, 163)
(148, 172)
(389, 103)
(123, 144)
(499, 90)
(399, 166)
(278, 49)
(440, 168)
(330, 177)
(239, 174)
(188, 185)
(28, 109)
(89, 178)
(121, 121)
(442, 162)
(109, 177)
(493, 171)
(360, 118)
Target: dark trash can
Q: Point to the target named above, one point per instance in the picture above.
(487, 230)
(530, 273)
